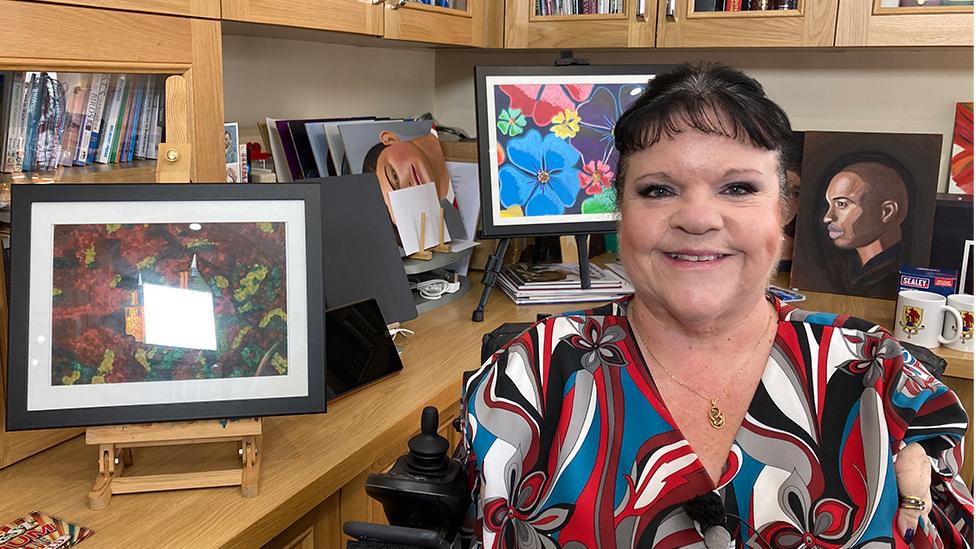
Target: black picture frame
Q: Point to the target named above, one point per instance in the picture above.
(485, 76)
(302, 283)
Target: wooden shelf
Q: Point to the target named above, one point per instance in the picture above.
(139, 171)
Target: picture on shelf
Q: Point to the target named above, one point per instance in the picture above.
(546, 145)
(793, 162)
(961, 162)
(168, 301)
(154, 303)
(867, 203)
(231, 155)
(402, 154)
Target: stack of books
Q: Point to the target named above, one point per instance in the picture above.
(529, 284)
(577, 7)
(49, 120)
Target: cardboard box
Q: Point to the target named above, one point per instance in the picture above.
(940, 281)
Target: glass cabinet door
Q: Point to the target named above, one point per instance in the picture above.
(579, 23)
(356, 16)
(905, 23)
(746, 23)
(458, 22)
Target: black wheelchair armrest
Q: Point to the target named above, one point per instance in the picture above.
(380, 535)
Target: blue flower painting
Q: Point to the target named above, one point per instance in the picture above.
(555, 147)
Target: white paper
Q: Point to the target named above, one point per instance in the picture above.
(467, 191)
(407, 205)
(277, 152)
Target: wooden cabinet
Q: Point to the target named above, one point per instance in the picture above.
(355, 16)
(410, 20)
(633, 26)
(872, 23)
(394, 19)
(76, 39)
(811, 24)
(187, 8)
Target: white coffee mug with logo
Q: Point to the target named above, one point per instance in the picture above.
(964, 304)
(920, 316)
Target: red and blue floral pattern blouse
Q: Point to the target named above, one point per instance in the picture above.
(569, 444)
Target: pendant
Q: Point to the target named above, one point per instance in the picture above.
(715, 416)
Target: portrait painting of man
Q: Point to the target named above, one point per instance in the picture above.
(867, 204)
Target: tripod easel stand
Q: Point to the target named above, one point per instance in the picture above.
(115, 443)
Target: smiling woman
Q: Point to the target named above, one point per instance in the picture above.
(703, 410)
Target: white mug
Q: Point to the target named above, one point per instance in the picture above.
(964, 304)
(920, 316)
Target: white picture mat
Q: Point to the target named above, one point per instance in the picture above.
(42, 395)
(407, 204)
(491, 82)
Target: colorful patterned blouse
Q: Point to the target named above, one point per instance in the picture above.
(570, 445)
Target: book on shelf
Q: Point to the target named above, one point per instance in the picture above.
(50, 120)
(76, 87)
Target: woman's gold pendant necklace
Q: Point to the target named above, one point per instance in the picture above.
(715, 416)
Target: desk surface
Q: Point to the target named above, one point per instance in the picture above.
(305, 458)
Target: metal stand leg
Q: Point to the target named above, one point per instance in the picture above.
(584, 261)
(491, 276)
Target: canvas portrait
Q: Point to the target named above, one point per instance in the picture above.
(547, 150)
(867, 202)
(182, 302)
(403, 154)
(961, 162)
(793, 163)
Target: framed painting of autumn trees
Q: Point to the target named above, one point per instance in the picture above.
(142, 303)
(546, 147)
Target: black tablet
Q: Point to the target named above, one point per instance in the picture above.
(359, 349)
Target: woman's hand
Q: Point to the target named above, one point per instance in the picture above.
(913, 474)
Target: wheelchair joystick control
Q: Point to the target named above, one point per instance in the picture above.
(428, 450)
(424, 488)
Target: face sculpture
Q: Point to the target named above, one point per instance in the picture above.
(403, 164)
(701, 224)
(866, 203)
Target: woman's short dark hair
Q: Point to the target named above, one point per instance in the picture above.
(710, 97)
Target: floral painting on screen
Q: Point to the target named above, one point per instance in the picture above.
(555, 147)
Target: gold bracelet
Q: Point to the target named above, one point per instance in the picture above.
(914, 503)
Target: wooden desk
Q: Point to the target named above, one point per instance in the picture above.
(307, 459)
(313, 466)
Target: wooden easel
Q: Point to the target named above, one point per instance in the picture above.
(174, 156)
(425, 254)
(115, 443)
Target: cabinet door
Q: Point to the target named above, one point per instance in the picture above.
(189, 8)
(539, 24)
(358, 16)
(892, 23)
(746, 23)
(79, 39)
(456, 22)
